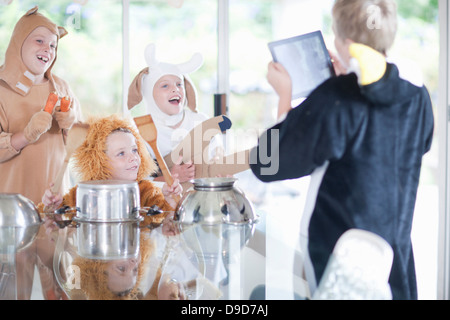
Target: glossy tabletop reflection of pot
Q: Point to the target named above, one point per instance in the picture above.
(108, 241)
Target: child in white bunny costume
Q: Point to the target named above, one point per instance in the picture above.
(171, 99)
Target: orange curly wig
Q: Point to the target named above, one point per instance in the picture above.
(90, 159)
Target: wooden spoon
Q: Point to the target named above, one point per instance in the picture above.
(148, 131)
(76, 136)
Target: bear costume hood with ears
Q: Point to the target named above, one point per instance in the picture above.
(143, 84)
(13, 71)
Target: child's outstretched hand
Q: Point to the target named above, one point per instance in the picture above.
(170, 192)
(185, 171)
(51, 200)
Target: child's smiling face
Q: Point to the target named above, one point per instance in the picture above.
(39, 51)
(169, 94)
(124, 158)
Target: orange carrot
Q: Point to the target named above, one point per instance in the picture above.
(51, 101)
(65, 103)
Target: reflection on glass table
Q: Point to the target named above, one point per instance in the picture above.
(192, 264)
(115, 261)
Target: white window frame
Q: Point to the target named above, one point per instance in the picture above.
(443, 285)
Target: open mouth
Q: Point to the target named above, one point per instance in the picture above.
(175, 100)
(43, 59)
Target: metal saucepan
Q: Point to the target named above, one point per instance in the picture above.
(107, 201)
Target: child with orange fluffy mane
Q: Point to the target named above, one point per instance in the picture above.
(113, 150)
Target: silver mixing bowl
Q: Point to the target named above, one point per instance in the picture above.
(19, 222)
(215, 201)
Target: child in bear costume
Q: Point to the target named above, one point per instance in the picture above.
(32, 141)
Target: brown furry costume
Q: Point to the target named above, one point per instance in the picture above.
(29, 170)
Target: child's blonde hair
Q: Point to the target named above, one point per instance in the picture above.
(370, 22)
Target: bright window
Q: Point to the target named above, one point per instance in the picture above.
(90, 58)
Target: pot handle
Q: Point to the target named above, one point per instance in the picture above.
(65, 209)
(151, 211)
(58, 213)
(168, 227)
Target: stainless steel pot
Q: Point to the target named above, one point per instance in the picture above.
(215, 201)
(19, 222)
(108, 201)
(108, 241)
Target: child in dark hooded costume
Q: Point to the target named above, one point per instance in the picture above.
(363, 134)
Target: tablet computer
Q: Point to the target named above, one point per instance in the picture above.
(306, 59)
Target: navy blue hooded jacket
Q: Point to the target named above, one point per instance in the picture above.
(373, 138)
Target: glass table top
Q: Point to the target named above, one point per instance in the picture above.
(109, 261)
